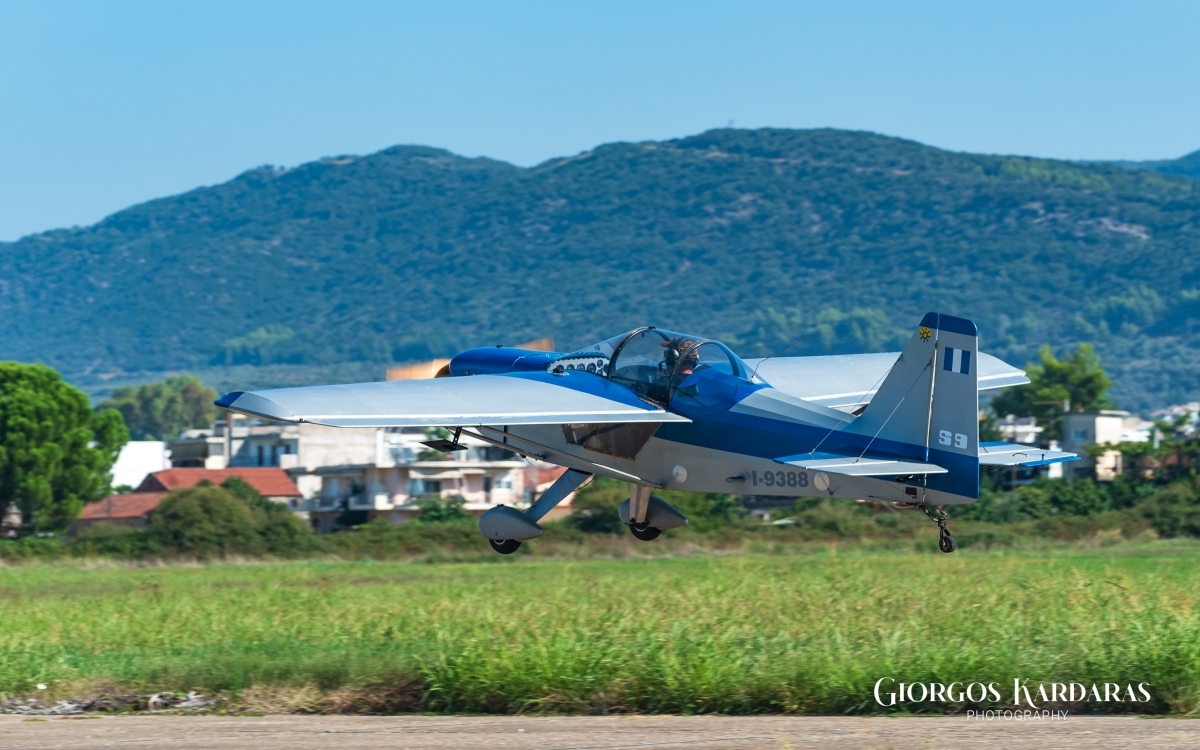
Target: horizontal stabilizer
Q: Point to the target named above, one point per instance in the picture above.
(849, 381)
(528, 398)
(1011, 454)
(859, 467)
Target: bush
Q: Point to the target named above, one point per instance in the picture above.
(595, 507)
(443, 510)
(705, 511)
(1175, 509)
(31, 548)
(1007, 507)
(206, 520)
(111, 540)
(835, 517)
(1055, 497)
(283, 533)
(381, 539)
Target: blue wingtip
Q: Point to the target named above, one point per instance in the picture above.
(227, 400)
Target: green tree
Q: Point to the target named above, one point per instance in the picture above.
(55, 452)
(1076, 382)
(154, 411)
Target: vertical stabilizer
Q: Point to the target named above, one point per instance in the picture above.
(928, 405)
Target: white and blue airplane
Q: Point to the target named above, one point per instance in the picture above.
(660, 409)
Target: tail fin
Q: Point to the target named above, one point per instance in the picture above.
(928, 405)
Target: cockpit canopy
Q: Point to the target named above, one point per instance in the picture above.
(653, 362)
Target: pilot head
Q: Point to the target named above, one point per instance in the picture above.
(675, 347)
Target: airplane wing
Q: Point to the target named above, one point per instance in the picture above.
(846, 381)
(524, 398)
(859, 467)
(1011, 454)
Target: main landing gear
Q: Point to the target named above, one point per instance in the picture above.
(505, 546)
(946, 542)
(657, 514)
(644, 532)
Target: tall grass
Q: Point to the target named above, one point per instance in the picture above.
(745, 634)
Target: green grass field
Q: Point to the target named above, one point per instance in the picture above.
(803, 633)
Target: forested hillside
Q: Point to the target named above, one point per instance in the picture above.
(1188, 165)
(757, 237)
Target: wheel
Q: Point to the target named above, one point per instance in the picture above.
(947, 543)
(505, 546)
(644, 532)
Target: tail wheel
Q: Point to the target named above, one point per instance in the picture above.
(505, 546)
(643, 532)
(946, 542)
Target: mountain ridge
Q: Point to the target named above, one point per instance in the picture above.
(756, 237)
(1187, 165)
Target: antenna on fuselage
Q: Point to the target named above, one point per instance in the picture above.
(800, 340)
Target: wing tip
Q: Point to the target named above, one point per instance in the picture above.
(226, 401)
(255, 406)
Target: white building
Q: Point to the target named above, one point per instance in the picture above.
(1104, 427)
(1186, 418)
(359, 474)
(137, 459)
(403, 471)
(1021, 430)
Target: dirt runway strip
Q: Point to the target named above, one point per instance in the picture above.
(586, 732)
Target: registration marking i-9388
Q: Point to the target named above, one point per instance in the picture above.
(780, 478)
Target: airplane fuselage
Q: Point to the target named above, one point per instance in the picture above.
(738, 429)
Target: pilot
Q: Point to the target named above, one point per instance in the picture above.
(675, 347)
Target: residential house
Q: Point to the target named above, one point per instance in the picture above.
(1020, 430)
(297, 448)
(273, 484)
(405, 471)
(1082, 429)
(1026, 431)
(134, 508)
(130, 509)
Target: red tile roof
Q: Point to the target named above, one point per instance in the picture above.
(132, 505)
(268, 482)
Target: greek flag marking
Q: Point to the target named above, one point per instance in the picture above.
(957, 360)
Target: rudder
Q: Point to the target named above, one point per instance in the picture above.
(928, 404)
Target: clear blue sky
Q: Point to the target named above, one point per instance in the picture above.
(103, 105)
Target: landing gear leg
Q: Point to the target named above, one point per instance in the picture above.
(946, 542)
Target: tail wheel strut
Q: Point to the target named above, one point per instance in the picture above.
(946, 542)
